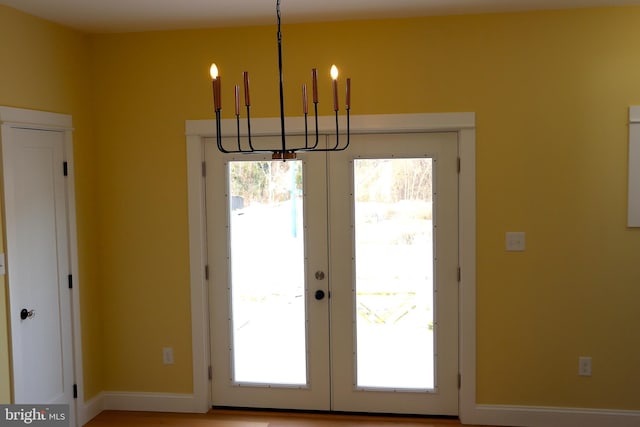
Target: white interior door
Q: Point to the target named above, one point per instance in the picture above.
(319, 357)
(38, 266)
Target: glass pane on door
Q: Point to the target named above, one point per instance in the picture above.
(394, 273)
(267, 273)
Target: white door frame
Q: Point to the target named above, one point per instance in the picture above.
(462, 123)
(40, 120)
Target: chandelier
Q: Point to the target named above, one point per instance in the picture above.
(283, 151)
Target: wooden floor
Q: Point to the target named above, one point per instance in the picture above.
(226, 418)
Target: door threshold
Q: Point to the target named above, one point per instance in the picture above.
(324, 414)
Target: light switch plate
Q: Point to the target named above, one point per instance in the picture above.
(515, 241)
(167, 355)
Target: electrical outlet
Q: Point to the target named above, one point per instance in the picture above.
(584, 366)
(167, 355)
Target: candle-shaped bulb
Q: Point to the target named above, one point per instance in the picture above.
(334, 72)
(334, 76)
(213, 71)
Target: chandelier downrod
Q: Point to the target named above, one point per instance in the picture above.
(283, 152)
(282, 127)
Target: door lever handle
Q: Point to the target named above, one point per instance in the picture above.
(27, 314)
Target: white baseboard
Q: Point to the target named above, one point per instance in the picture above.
(145, 402)
(535, 416)
(90, 410)
(498, 415)
(151, 402)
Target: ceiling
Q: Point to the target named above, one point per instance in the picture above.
(104, 16)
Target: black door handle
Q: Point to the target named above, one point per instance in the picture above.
(319, 294)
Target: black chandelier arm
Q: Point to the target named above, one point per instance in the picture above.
(336, 146)
(219, 134)
(220, 145)
(251, 149)
(337, 132)
(238, 130)
(290, 150)
(306, 133)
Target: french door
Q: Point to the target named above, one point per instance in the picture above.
(333, 278)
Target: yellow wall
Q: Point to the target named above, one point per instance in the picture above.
(45, 67)
(551, 92)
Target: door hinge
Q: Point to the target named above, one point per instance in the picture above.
(75, 391)
(65, 168)
(206, 272)
(459, 381)
(70, 279)
(459, 164)
(210, 371)
(459, 275)
(204, 169)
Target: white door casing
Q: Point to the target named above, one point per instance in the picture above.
(462, 123)
(42, 270)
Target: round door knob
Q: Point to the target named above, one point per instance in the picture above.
(319, 294)
(26, 314)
